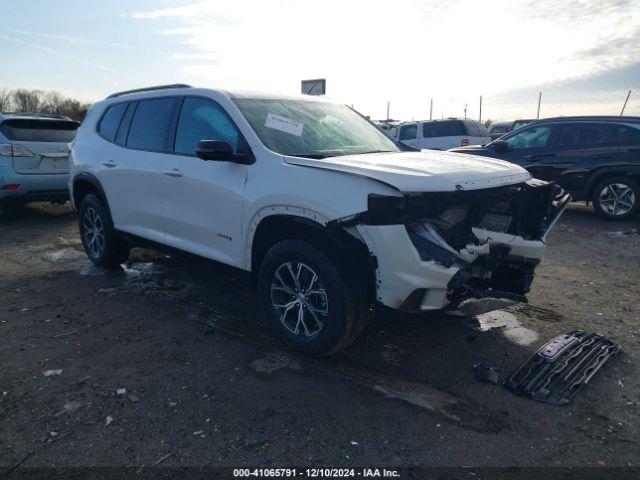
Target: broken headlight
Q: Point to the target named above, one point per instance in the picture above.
(430, 245)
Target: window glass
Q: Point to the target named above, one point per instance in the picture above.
(311, 128)
(62, 131)
(151, 124)
(408, 132)
(443, 128)
(499, 129)
(532, 137)
(472, 129)
(111, 120)
(482, 130)
(201, 119)
(123, 130)
(580, 135)
(627, 134)
(519, 123)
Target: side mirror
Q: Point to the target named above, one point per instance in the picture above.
(500, 146)
(214, 150)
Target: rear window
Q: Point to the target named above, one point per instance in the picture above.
(445, 128)
(151, 125)
(498, 129)
(111, 120)
(627, 134)
(20, 130)
(408, 132)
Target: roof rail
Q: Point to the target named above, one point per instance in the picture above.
(149, 89)
(36, 114)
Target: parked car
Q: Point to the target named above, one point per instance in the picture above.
(34, 157)
(313, 199)
(595, 158)
(496, 130)
(388, 127)
(442, 134)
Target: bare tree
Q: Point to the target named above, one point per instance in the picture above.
(26, 100)
(53, 102)
(74, 109)
(5, 100)
(488, 122)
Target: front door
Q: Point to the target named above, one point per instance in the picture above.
(528, 146)
(205, 199)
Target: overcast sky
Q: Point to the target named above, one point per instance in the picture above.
(584, 55)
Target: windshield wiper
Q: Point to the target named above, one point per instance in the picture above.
(315, 156)
(373, 151)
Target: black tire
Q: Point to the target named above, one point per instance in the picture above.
(614, 209)
(111, 251)
(347, 305)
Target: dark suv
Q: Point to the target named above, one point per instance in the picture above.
(597, 159)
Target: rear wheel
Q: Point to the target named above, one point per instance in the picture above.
(310, 299)
(616, 198)
(100, 240)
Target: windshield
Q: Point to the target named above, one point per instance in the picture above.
(312, 129)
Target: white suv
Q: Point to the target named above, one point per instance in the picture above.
(312, 198)
(442, 134)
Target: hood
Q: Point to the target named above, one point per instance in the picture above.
(424, 171)
(470, 149)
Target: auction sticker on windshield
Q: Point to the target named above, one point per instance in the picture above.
(284, 124)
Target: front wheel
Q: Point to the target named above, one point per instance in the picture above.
(616, 198)
(101, 242)
(310, 299)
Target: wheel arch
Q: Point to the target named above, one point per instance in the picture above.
(312, 227)
(601, 174)
(85, 184)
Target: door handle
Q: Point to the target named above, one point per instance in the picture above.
(110, 164)
(173, 173)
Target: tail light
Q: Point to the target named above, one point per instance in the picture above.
(11, 187)
(464, 142)
(9, 150)
(21, 151)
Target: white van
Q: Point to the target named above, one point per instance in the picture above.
(442, 134)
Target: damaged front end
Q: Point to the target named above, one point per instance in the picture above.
(490, 240)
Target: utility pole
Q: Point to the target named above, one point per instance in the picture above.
(625, 102)
(431, 109)
(388, 105)
(539, 100)
(465, 111)
(480, 116)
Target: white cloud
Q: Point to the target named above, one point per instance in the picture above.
(405, 51)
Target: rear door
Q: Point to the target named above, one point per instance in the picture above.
(133, 168)
(576, 150)
(40, 146)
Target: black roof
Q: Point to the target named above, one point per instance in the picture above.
(599, 118)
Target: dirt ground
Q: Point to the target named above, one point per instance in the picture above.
(205, 383)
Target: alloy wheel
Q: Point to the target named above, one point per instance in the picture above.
(300, 299)
(617, 199)
(93, 227)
